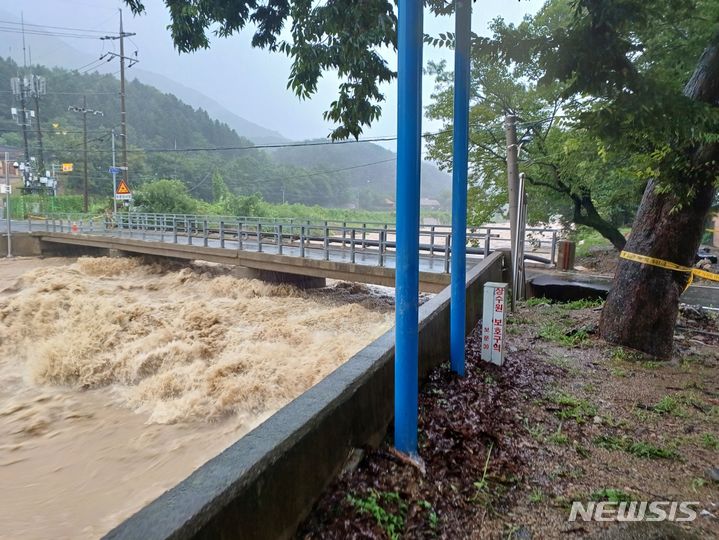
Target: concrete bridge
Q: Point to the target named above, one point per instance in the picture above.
(302, 252)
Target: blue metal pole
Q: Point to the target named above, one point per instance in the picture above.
(409, 120)
(462, 58)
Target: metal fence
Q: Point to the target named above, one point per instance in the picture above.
(370, 242)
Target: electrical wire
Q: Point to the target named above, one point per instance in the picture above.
(58, 27)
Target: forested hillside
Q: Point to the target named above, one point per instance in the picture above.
(369, 168)
(157, 124)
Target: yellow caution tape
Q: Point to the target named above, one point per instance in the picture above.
(670, 266)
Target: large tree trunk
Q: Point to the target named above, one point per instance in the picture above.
(642, 307)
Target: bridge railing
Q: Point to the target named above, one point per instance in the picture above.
(368, 242)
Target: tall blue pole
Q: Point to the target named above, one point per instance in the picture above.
(409, 120)
(462, 58)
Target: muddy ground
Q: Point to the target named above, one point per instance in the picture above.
(567, 418)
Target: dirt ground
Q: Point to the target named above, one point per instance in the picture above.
(567, 418)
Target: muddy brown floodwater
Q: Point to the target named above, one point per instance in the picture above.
(118, 379)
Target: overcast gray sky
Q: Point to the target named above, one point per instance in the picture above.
(249, 82)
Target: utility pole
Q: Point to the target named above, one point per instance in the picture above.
(123, 111)
(84, 111)
(39, 88)
(114, 176)
(23, 90)
(84, 150)
(19, 87)
(7, 203)
(510, 126)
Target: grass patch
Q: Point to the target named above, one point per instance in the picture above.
(640, 449)
(432, 517)
(536, 431)
(623, 354)
(538, 301)
(536, 496)
(698, 483)
(667, 405)
(558, 437)
(572, 408)
(553, 331)
(582, 304)
(378, 504)
(618, 372)
(613, 495)
(709, 441)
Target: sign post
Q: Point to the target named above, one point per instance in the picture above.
(493, 322)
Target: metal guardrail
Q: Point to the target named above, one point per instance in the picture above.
(301, 238)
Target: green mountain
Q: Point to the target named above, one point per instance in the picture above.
(158, 124)
(369, 169)
(332, 175)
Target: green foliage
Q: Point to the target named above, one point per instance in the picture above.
(572, 408)
(220, 191)
(709, 441)
(165, 196)
(588, 239)
(581, 304)
(432, 517)
(570, 173)
(378, 504)
(342, 35)
(629, 62)
(23, 206)
(667, 405)
(613, 495)
(161, 121)
(558, 437)
(558, 333)
(638, 448)
(538, 301)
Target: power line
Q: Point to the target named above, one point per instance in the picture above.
(42, 33)
(58, 27)
(262, 146)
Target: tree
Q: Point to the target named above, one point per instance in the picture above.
(341, 35)
(165, 197)
(651, 72)
(571, 174)
(220, 191)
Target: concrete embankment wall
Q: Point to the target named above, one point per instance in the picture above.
(266, 483)
(31, 245)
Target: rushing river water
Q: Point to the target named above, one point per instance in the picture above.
(118, 379)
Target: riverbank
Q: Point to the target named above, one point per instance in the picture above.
(568, 418)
